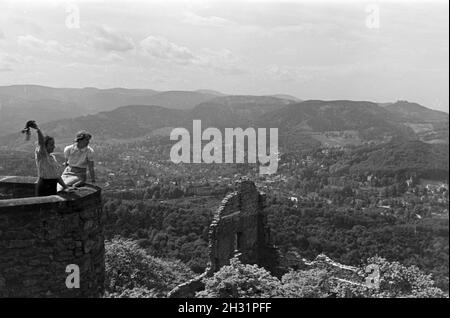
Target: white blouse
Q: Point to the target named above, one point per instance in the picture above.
(47, 166)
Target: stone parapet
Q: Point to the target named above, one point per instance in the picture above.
(41, 236)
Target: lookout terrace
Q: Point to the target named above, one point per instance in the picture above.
(41, 236)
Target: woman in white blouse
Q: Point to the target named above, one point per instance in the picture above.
(79, 158)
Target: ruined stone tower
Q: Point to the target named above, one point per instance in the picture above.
(239, 226)
(41, 236)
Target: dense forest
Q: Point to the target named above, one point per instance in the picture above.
(132, 272)
(426, 160)
(350, 236)
(179, 230)
(176, 231)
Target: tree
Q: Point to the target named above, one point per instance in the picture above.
(239, 280)
(131, 272)
(305, 284)
(397, 280)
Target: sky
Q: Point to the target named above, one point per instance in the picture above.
(381, 51)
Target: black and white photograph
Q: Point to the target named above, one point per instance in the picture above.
(203, 150)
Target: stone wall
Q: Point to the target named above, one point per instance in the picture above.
(240, 226)
(339, 276)
(17, 187)
(41, 236)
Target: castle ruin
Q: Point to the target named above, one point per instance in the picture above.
(239, 226)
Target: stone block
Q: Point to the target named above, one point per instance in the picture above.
(20, 243)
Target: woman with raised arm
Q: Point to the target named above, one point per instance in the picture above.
(48, 168)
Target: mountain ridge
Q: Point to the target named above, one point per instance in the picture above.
(321, 122)
(131, 113)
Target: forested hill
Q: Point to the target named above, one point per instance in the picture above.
(124, 122)
(414, 112)
(427, 160)
(358, 121)
(19, 103)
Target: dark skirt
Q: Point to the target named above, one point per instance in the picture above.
(46, 187)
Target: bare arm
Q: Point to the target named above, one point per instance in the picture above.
(40, 135)
(66, 157)
(40, 138)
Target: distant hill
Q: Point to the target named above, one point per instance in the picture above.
(288, 97)
(317, 115)
(122, 123)
(384, 142)
(334, 122)
(301, 125)
(414, 112)
(210, 92)
(19, 103)
(136, 121)
(236, 110)
(88, 99)
(179, 99)
(429, 125)
(95, 100)
(15, 111)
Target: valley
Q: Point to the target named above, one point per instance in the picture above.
(353, 179)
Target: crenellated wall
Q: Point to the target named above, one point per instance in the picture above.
(41, 236)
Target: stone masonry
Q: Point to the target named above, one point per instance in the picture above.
(238, 226)
(41, 236)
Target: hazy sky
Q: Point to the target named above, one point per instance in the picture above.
(325, 50)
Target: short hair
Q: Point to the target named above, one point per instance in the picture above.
(83, 134)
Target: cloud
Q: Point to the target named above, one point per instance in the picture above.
(286, 73)
(113, 58)
(211, 21)
(6, 58)
(33, 43)
(161, 48)
(222, 61)
(107, 39)
(7, 62)
(329, 72)
(74, 51)
(2, 35)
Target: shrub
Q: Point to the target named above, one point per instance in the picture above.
(306, 284)
(239, 280)
(397, 280)
(130, 271)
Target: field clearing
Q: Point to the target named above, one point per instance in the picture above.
(337, 138)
